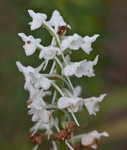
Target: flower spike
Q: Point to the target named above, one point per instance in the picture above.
(53, 100)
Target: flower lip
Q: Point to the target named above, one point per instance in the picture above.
(49, 52)
(92, 138)
(92, 104)
(71, 103)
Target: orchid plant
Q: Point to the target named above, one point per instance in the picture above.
(64, 98)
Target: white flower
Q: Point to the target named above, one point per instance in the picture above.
(36, 99)
(40, 125)
(82, 68)
(31, 43)
(38, 19)
(76, 42)
(26, 72)
(39, 114)
(91, 139)
(49, 52)
(70, 69)
(56, 20)
(33, 79)
(71, 100)
(77, 91)
(73, 104)
(87, 44)
(92, 104)
(39, 81)
(43, 83)
(72, 42)
(86, 68)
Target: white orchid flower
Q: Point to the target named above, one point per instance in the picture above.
(39, 81)
(86, 68)
(75, 93)
(26, 72)
(72, 104)
(31, 43)
(71, 100)
(70, 69)
(36, 99)
(87, 44)
(92, 104)
(41, 125)
(57, 20)
(82, 68)
(72, 42)
(75, 42)
(37, 109)
(49, 52)
(33, 79)
(91, 139)
(43, 83)
(39, 114)
(37, 19)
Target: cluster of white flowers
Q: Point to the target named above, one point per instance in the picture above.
(64, 98)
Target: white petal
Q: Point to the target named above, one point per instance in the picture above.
(92, 104)
(20, 66)
(37, 103)
(71, 103)
(77, 91)
(42, 125)
(70, 70)
(72, 42)
(46, 116)
(29, 49)
(43, 83)
(38, 19)
(31, 43)
(86, 68)
(48, 53)
(39, 81)
(88, 139)
(76, 42)
(23, 69)
(66, 42)
(64, 102)
(104, 134)
(97, 135)
(23, 36)
(87, 45)
(56, 20)
(82, 68)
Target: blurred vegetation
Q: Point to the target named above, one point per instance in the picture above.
(85, 17)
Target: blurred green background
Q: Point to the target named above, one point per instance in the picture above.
(109, 19)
